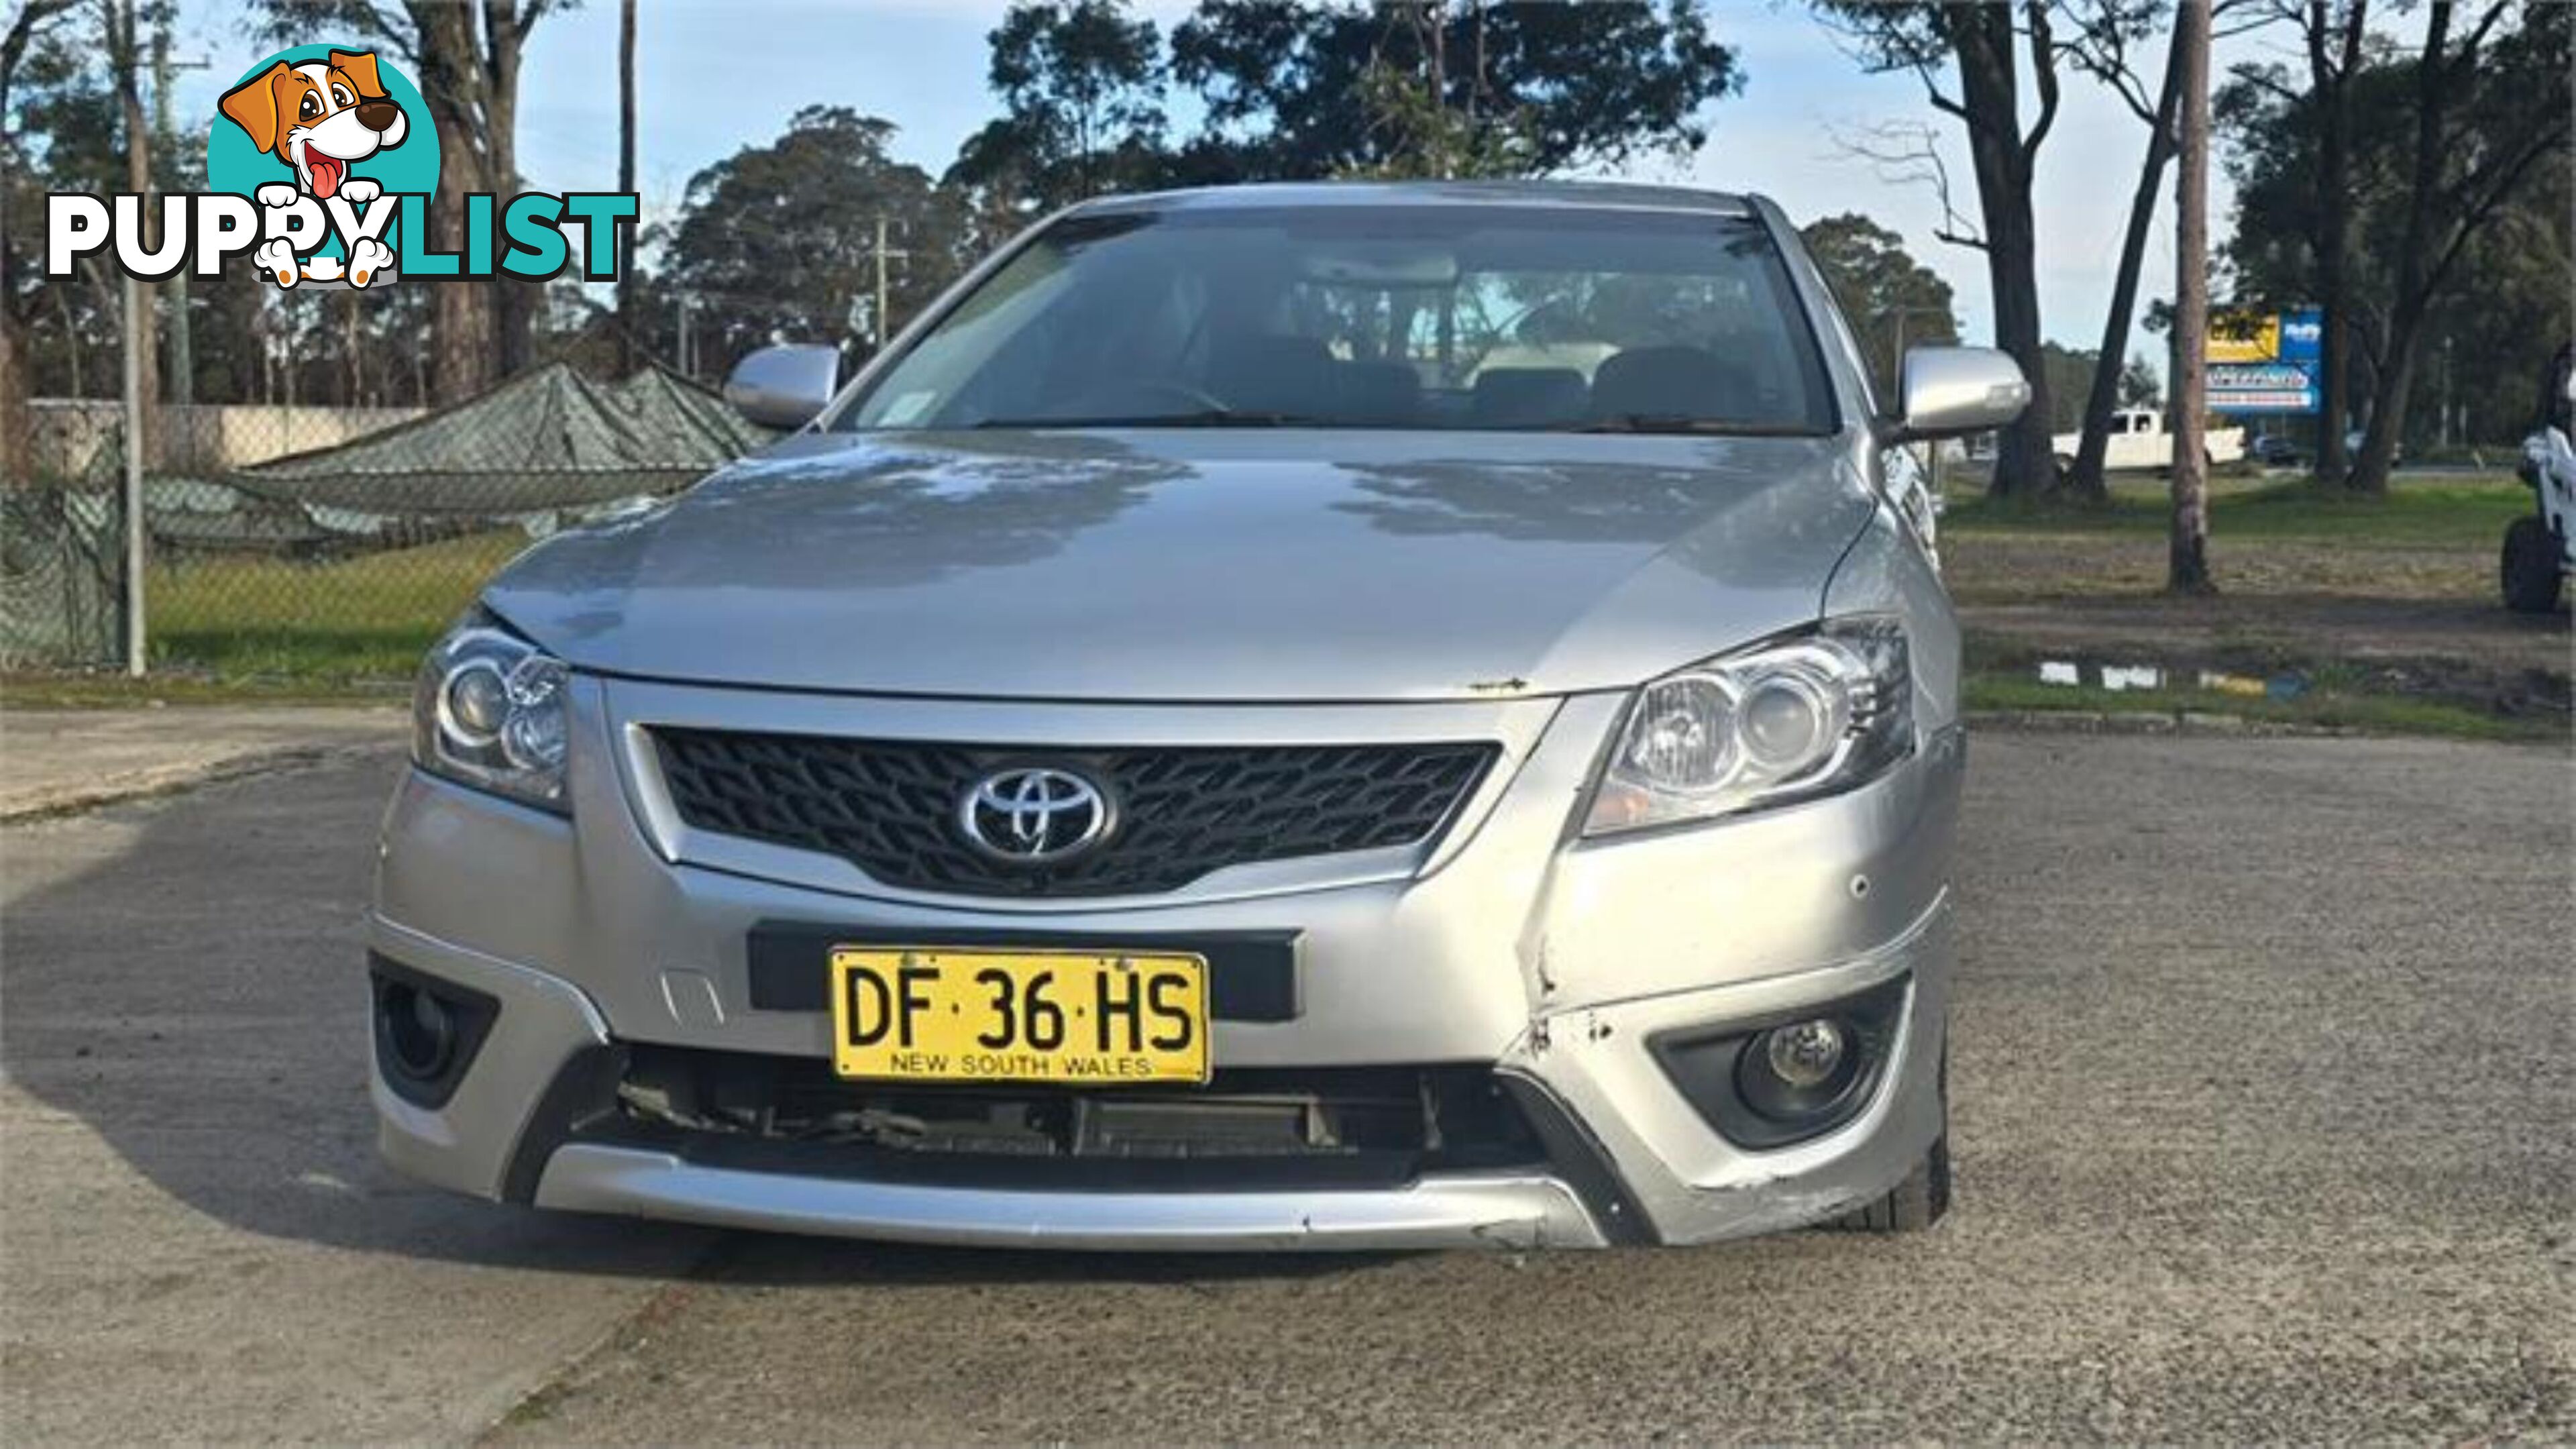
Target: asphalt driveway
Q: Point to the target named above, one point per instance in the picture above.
(2265, 1068)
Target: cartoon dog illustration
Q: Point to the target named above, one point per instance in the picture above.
(318, 117)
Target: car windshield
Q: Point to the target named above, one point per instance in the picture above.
(1553, 319)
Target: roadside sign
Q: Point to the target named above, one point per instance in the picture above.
(2264, 362)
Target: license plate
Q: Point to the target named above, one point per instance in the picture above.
(1072, 1018)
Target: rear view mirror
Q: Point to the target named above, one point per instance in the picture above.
(1948, 391)
(786, 385)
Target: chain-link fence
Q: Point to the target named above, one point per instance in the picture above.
(325, 542)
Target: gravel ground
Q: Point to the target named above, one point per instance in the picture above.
(2265, 1080)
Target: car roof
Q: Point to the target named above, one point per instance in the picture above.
(1578, 195)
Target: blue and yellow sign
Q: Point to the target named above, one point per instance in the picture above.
(2265, 362)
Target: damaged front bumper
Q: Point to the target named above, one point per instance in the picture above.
(1551, 966)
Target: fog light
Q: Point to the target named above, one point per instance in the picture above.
(1792, 1077)
(427, 1030)
(421, 1031)
(1803, 1072)
(1807, 1055)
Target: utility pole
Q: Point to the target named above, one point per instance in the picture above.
(174, 290)
(140, 384)
(1896, 354)
(883, 321)
(138, 341)
(2187, 562)
(627, 321)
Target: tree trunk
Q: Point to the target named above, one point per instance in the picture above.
(460, 324)
(2333, 56)
(2104, 399)
(2396, 372)
(17, 450)
(515, 303)
(1983, 43)
(2187, 558)
(627, 321)
(2388, 403)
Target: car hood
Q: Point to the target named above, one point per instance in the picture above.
(1168, 565)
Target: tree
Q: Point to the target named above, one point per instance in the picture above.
(2065, 373)
(2443, 181)
(1894, 302)
(2491, 329)
(776, 242)
(1593, 85)
(2187, 552)
(627, 321)
(2332, 31)
(124, 47)
(2486, 110)
(465, 59)
(22, 286)
(1082, 108)
(2101, 48)
(1980, 47)
(1423, 129)
(2139, 386)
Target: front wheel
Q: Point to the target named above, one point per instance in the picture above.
(1913, 1205)
(2530, 567)
(1923, 1198)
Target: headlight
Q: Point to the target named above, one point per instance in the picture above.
(1789, 720)
(488, 711)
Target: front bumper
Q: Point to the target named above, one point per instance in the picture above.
(1550, 961)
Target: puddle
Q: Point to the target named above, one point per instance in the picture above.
(2216, 676)
(2122, 676)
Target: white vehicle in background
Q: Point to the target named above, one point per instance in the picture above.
(2540, 547)
(2139, 440)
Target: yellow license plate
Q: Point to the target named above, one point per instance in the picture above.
(1072, 1018)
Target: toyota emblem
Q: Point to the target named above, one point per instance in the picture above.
(1030, 815)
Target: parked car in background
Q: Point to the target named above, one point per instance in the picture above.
(2138, 440)
(2540, 546)
(1228, 737)
(2274, 451)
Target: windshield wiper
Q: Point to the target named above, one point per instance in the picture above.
(1677, 423)
(1205, 418)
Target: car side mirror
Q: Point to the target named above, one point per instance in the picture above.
(1950, 391)
(784, 386)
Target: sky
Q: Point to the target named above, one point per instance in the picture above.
(717, 75)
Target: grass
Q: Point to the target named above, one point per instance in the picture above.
(2446, 512)
(329, 623)
(2324, 707)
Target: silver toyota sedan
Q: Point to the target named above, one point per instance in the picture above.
(1283, 717)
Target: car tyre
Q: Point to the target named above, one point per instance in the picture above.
(1913, 1205)
(2530, 567)
(1923, 1198)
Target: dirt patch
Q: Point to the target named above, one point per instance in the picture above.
(2001, 567)
(2410, 612)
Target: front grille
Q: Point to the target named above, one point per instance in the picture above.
(1319, 1126)
(890, 807)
